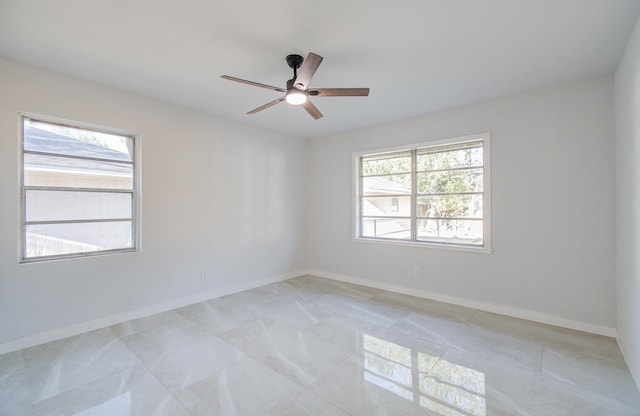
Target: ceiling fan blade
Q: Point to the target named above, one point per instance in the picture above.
(312, 109)
(309, 67)
(255, 84)
(267, 105)
(339, 92)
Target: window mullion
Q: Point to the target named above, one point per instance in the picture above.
(360, 197)
(414, 198)
(87, 190)
(62, 155)
(83, 221)
(23, 217)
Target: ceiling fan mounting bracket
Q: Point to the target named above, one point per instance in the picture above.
(290, 83)
(294, 61)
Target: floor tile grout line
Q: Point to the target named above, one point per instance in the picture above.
(155, 377)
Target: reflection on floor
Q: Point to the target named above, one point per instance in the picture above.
(450, 389)
(311, 346)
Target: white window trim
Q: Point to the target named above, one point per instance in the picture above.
(355, 194)
(137, 190)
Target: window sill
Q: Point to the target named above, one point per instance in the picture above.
(450, 247)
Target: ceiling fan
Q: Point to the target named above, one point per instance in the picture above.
(298, 91)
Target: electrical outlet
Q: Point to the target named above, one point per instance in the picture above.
(416, 272)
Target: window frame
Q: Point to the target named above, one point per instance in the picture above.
(486, 247)
(134, 191)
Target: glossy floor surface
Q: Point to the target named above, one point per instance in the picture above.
(310, 346)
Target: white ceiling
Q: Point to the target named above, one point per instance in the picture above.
(417, 56)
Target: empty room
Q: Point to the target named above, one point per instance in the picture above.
(320, 208)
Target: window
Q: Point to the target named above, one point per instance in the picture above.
(79, 190)
(433, 193)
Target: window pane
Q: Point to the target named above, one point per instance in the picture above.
(386, 185)
(386, 164)
(396, 228)
(450, 231)
(448, 159)
(58, 239)
(64, 205)
(450, 206)
(386, 206)
(53, 138)
(465, 180)
(40, 170)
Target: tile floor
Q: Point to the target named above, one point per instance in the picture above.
(311, 346)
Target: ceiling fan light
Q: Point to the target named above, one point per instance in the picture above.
(296, 97)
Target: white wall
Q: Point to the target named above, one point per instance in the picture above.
(627, 107)
(553, 209)
(230, 200)
(217, 197)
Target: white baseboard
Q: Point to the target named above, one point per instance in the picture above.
(631, 359)
(483, 306)
(76, 329)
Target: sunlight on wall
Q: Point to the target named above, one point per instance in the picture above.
(438, 385)
(264, 180)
